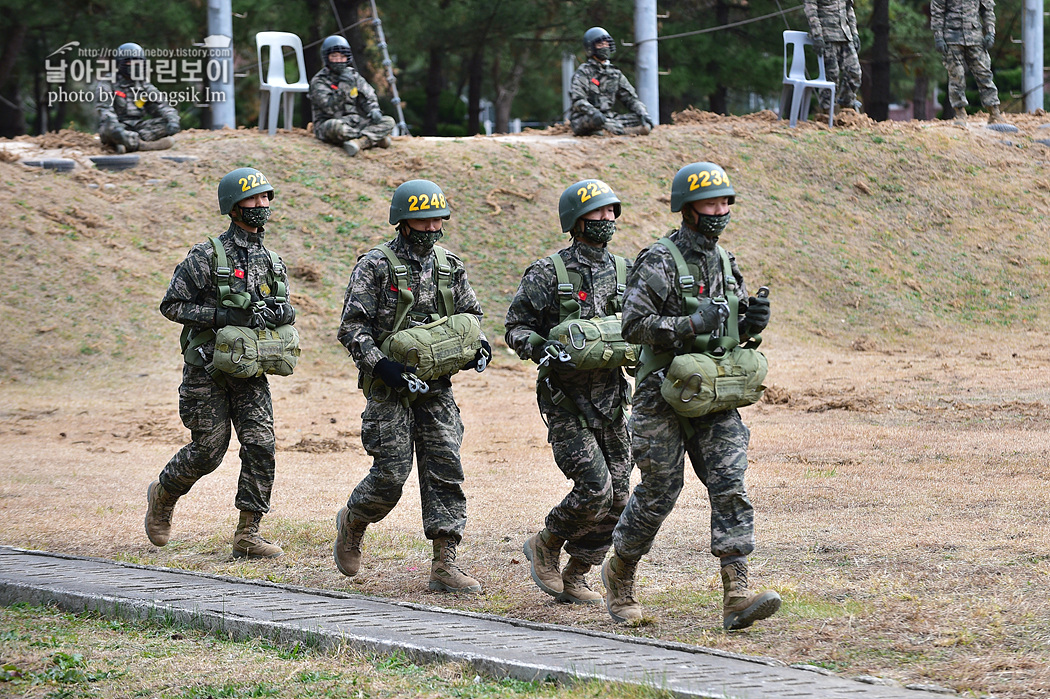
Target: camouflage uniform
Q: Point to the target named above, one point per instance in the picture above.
(119, 112)
(594, 90)
(654, 314)
(596, 457)
(206, 408)
(390, 430)
(963, 25)
(341, 107)
(836, 22)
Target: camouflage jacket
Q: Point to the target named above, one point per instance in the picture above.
(598, 85)
(834, 20)
(334, 97)
(127, 102)
(962, 22)
(191, 298)
(370, 305)
(599, 394)
(653, 305)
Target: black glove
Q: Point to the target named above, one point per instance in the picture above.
(818, 42)
(856, 43)
(278, 313)
(598, 117)
(649, 120)
(938, 42)
(241, 317)
(389, 372)
(756, 318)
(989, 40)
(473, 363)
(709, 317)
(375, 115)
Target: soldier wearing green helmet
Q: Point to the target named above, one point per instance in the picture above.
(229, 280)
(345, 109)
(585, 410)
(657, 316)
(131, 115)
(408, 282)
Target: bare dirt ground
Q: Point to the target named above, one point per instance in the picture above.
(898, 463)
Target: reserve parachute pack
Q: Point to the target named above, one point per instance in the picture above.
(719, 374)
(240, 352)
(595, 343)
(437, 345)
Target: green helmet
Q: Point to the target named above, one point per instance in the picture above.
(336, 44)
(698, 181)
(125, 54)
(240, 184)
(418, 199)
(584, 196)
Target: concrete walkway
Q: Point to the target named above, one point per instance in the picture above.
(494, 646)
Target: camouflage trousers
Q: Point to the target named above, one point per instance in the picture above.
(585, 124)
(598, 462)
(350, 127)
(842, 67)
(208, 410)
(718, 453)
(956, 59)
(390, 432)
(147, 130)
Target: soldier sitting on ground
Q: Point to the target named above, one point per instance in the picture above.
(964, 31)
(130, 117)
(596, 86)
(345, 109)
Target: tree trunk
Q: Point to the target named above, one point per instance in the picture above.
(312, 58)
(435, 84)
(474, 92)
(12, 119)
(508, 90)
(718, 98)
(879, 108)
(920, 98)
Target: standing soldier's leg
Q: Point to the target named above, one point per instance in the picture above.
(955, 64)
(438, 437)
(832, 56)
(718, 452)
(251, 410)
(204, 409)
(386, 434)
(849, 76)
(981, 67)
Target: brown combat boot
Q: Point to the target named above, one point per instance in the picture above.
(445, 575)
(347, 549)
(159, 506)
(385, 142)
(543, 550)
(246, 541)
(618, 578)
(575, 589)
(160, 144)
(740, 609)
(995, 115)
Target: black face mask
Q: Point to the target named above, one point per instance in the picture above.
(423, 240)
(712, 226)
(600, 232)
(255, 216)
(602, 54)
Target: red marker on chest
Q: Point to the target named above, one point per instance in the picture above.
(595, 81)
(239, 273)
(582, 295)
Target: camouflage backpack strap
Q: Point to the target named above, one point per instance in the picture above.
(443, 273)
(621, 280)
(568, 306)
(651, 360)
(732, 328)
(278, 272)
(402, 280)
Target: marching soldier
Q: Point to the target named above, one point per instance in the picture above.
(585, 411)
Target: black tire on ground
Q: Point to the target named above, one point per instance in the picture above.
(60, 164)
(1003, 128)
(179, 158)
(115, 162)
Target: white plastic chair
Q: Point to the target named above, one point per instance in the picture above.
(281, 92)
(795, 97)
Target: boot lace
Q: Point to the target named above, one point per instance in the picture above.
(577, 580)
(627, 581)
(354, 537)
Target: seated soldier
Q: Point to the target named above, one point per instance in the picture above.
(130, 117)
(345, 109)
(595, 88)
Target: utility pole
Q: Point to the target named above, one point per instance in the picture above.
(220, 66)
(647, 64)
(402, 127)
(568, 69)
(1032, 55)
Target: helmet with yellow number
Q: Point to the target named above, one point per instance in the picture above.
(698, 181)
(237, 185)
(583, 197)
(418, 199)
